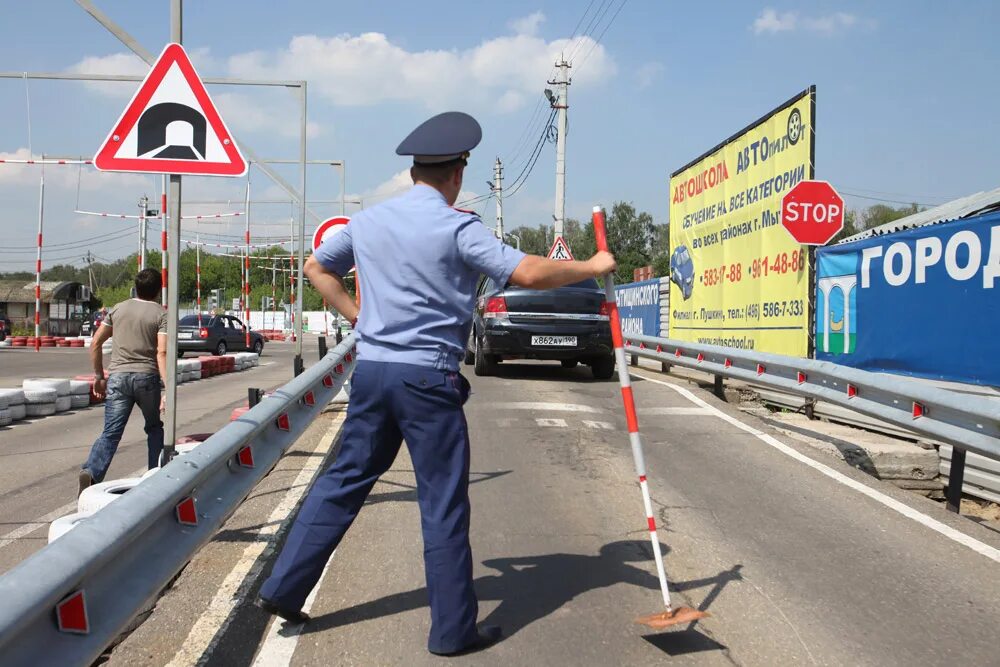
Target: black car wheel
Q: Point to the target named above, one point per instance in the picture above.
(220, 349)
(603, 368)
(470, 356)
(568, 363)
(484, 363)
(258, 346)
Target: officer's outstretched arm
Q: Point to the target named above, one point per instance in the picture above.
(536, 272)
(331, 287)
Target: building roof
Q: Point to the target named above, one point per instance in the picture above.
(981, 202)
(19, 291)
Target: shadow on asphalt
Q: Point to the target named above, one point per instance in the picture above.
(513, 370)
(683, 642)
(530, 588)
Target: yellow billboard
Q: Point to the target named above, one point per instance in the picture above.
(737, 278)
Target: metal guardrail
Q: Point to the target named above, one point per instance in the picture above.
(966, 422)
(66, 603)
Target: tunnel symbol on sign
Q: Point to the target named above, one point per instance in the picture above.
(172, 131)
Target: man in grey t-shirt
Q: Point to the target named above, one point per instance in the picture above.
(138, 330)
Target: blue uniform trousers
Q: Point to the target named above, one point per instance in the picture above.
(390, 402)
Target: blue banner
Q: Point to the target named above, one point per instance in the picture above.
(923, 302)
(639, 307)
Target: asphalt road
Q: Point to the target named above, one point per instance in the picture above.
(799, 559)
(39, 458)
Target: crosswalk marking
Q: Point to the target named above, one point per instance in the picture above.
(604, 426)
(551, 422)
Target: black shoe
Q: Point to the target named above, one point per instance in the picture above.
(488, 636)
(296, 617)
(85, 481)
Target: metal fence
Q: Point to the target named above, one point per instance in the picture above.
(67, 602)
(968, 423)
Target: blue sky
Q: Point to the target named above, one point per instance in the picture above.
(905, 110)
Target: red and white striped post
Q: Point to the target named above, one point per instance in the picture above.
(38, 264)
(163, 240)
(246, 269)
(197, 277)
(600, 234)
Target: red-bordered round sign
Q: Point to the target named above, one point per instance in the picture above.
(328, 228)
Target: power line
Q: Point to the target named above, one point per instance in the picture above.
(601, 36)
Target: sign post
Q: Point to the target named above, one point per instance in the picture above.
(812, 212)
(171, 126)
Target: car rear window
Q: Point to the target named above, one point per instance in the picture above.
(589, 283)
(192, 320)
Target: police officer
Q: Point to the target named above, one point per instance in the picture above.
(418, 261)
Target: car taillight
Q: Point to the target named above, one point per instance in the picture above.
(496, 307)
(203, 333)
(605, 311)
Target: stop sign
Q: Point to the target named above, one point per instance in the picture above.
(812, 212)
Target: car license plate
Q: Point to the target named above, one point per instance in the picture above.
(184, 334)
(567, 341)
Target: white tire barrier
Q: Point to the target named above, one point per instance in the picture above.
(78, 401)
(79, 388)
(44, 395)
(63, 403)
(64, 524)
(4, 402)
(61, 386)
(5, 417)
(40, 409)
(6, 342)
(13, 396)
(101, 495)
(17, 412)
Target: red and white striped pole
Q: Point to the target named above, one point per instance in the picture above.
(38, 264)
(246, 269)
(163, 240)
(600, 234)
(274, 293)
(197, 277)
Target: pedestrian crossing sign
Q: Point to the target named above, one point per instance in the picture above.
(560, 250)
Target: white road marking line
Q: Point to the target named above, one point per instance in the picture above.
(674, 411)
(560, 407)
(505, 422)
(233, 589)
(604, 426)
(282, 638)
(955, 535)
(26, 529)
(561, 423)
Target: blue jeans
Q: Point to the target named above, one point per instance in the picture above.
(124, 391)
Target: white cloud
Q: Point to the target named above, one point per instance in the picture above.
(396, 185)
(499, 74)
(771, 22)
(246, 114)
(527, 25)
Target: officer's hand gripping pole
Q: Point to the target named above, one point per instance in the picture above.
(672, 615)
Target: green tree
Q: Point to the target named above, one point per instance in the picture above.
(630, 238)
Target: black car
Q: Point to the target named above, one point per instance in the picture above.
(567, 324)
(5, 327)
(217, 334)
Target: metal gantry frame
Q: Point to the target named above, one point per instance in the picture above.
(297, 195)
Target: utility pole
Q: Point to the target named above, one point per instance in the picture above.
(89, 259)
(143, 207)
(498, 193)
(560, 102)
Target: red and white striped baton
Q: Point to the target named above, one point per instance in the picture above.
(673, 615)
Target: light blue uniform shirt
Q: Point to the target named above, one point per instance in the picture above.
(418, 261)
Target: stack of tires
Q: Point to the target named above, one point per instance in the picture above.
(107, 347)
(18, 341)
(39, 398)
(245, 360)
(14, 400)
(189, 370)
(79, 393)
(62, 402)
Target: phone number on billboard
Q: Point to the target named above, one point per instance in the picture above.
(792, 308)
(761, 267)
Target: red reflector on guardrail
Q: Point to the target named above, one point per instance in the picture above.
(728, 364)
(282, 422)
(642, 346)
(327, 380)
(340, 371)
(348, 357)
(918, 410)
(659, 349)
(852, 391)
(802, 377)
(678, 353)
(309, 398)
(701, 357)
(245, 456)
(760, 369)
(71, 614)
(187, 513)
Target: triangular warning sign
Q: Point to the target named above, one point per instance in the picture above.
(171, 126)
(560, 250)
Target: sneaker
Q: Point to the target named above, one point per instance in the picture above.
(85, 481)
